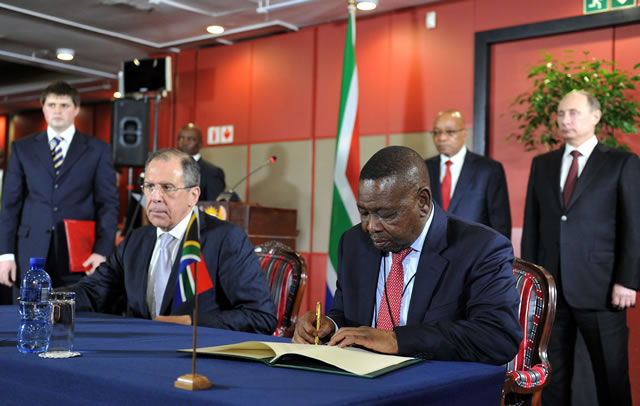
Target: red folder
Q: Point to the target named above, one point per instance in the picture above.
(81, 236)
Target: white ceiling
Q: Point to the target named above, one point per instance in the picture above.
(104, 33)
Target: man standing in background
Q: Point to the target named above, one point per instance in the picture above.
(468, 185)
(581, 223)
(211, 177)
(54, 175)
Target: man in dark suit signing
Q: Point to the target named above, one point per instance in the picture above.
(413, 280)
(581, 223)
(54, 175)
(211, 177)
(468, 185)
(146, 264)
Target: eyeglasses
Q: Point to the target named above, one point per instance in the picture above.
(149, 188)
(449, 133)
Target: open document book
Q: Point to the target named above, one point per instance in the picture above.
(322, 358)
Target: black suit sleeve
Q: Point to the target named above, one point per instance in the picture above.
(627, 271)
(530, 229)
(98, 292)
(498, 201)
(107, 203)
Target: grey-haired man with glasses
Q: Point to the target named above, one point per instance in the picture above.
(468, 185)
(145, 265)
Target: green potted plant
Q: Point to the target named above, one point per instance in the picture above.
(536, 108)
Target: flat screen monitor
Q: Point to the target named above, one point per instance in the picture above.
(146, 75)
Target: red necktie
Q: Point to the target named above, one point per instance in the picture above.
(572, 177)
(445, 187)
(392, 296)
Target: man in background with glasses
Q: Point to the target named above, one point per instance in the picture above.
(468, 185)
(145, 265)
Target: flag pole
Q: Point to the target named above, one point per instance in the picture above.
(194, 381)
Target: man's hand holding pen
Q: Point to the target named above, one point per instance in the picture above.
(306, 331)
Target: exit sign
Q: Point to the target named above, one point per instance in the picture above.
(597, 6)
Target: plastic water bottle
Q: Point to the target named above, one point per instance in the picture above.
(35, 310)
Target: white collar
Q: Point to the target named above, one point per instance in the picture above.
(178, 231)
(457, 159)
(66, 135)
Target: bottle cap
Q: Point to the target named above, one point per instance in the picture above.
(36, 262)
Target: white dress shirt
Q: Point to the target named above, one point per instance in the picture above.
(65, 138)
(457, 161)
(410, 267)
(585, 150)
(177, 232)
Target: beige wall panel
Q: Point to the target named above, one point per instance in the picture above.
(421, 142)
(233, 160)
(285, 184)
(323, 198)
(369, 145)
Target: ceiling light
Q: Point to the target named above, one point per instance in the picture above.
(366, 5)
(215, 29)
(65, 54)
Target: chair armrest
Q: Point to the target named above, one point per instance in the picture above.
(528, 381)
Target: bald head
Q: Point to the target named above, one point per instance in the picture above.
(449, 132)
(399, 162)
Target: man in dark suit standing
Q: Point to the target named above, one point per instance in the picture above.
(581, 223)
(145, 265)
(413, 280)
(211, 177)
(468, 185)
(55, 175)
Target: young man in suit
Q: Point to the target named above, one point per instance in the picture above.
(468, 185)
(211, 177)
(54, 175)
(145, 265)
(415, 281)
(581, 223)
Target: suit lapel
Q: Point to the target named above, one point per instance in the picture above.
(555, 167)
(466, 179)
(430, 267)
(76, 150)
(370, 262)
(140, 268)
(43, 152)
(590, 172)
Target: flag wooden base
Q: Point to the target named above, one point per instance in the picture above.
(192, 382)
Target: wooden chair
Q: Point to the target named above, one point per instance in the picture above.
(530, 370)
(286, 272)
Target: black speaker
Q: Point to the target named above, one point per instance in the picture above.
(130, 132)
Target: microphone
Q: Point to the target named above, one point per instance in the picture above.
(230, 194)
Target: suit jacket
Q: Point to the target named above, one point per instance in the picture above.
(464, 304)
(211, 180)
(36, 201)
(481, 193)
(240, 299)
(593, 242)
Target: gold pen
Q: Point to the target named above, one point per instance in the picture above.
(318, 311)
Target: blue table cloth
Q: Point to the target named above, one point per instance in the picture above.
(134, 362)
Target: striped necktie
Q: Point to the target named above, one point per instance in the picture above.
(56, 154)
